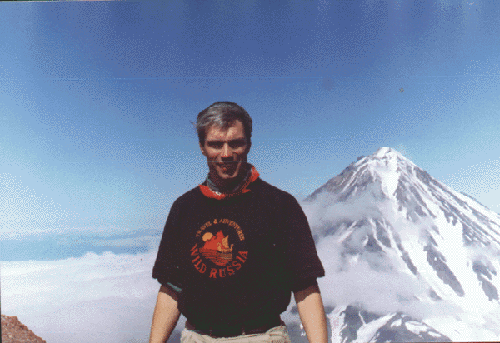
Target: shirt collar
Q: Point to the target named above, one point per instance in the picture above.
(209, 189)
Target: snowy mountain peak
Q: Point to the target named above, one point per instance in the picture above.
(386, 152)
(384, 170)
(417, 242)
(389, 157)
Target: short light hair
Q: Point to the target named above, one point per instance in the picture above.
(223, 115)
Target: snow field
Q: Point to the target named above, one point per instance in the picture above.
(367, 332)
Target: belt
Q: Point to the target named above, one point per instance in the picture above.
(249, 328)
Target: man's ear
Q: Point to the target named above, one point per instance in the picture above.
(203, 151)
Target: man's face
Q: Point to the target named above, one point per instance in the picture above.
(226, 151)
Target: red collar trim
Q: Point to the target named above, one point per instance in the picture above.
(219, 196)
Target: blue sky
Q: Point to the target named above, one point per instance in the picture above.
(96, 100)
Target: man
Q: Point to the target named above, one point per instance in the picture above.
(235, 248)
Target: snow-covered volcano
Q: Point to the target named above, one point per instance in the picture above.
(421, 260)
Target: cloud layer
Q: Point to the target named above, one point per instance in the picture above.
(95, 298)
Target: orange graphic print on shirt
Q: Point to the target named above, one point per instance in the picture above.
(219, 250)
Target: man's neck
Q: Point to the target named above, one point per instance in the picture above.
(230, 186)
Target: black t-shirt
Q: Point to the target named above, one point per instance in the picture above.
(238, 258)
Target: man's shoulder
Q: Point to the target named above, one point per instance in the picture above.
(268, 190)
(193, 194)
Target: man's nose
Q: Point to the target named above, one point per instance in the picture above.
(226, 151)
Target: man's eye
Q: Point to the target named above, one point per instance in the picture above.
(236, 144)
(215, 145)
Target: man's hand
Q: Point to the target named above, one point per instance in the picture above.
(312, 314)
(165, 316)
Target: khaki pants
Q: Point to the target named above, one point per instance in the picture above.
(278, 334)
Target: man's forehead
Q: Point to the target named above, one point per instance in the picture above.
(234, 131)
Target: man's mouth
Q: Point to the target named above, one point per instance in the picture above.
(227, 167)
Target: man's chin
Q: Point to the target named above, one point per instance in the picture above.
(227, 177)
(228, 174)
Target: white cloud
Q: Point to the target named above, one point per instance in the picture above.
(326, 210)
(95, 298)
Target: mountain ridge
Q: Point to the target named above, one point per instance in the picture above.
(385, 216)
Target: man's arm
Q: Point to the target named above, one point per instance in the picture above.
(165, 316)
(312, 314)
